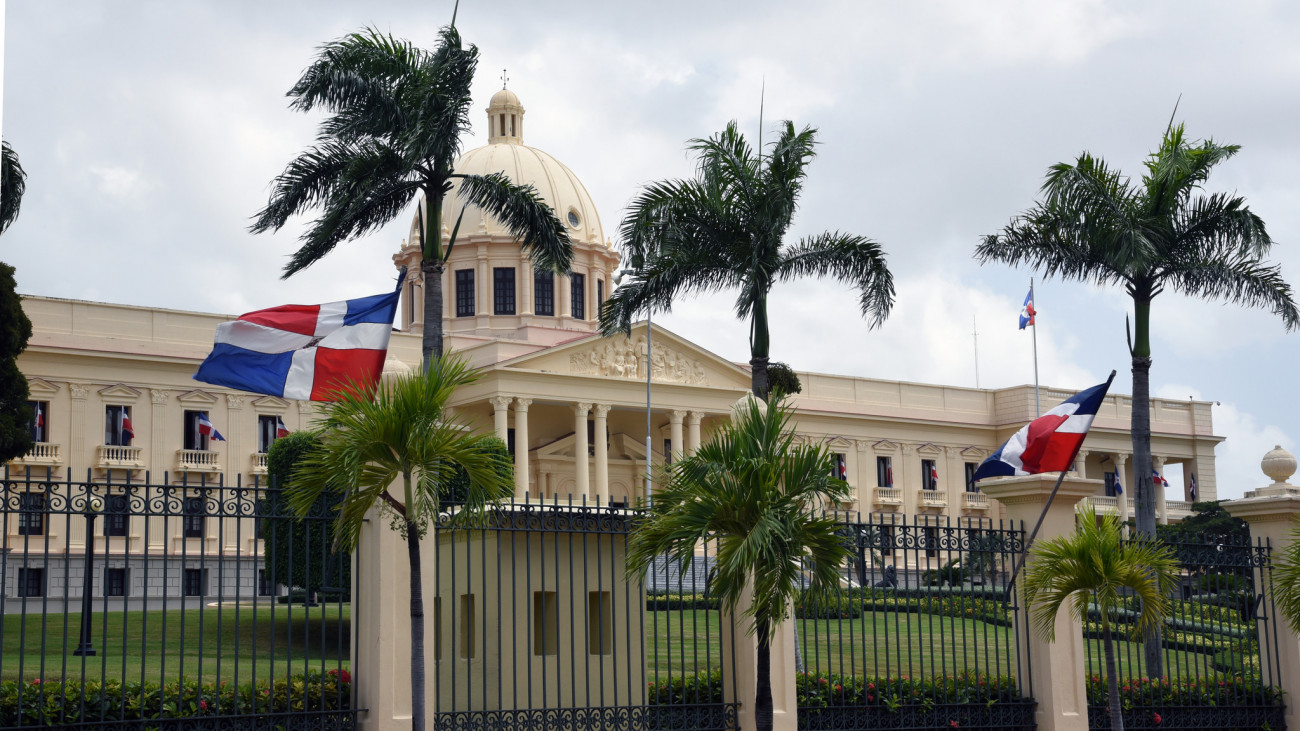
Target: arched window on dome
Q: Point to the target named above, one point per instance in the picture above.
(503, 125)
(512, 126)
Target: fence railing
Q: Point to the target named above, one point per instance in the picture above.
(920, 633)
(536, 624)
(135, 604)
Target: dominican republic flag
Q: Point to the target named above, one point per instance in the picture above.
(889, 475)
(1027, 311)
(281, 430)
(127, 431)
(1191, 488)
(38, 424)
(841, 467)
(305, 352)
(1159, 479)
(207, 429)
(1119, 489)
(934, 477)
(1049, 443)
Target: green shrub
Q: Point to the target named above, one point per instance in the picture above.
(702, 687)
(820, 690)
(1185, 692)
(660, 602)
(300, 553)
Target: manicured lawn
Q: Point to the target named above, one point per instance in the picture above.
(234, 643)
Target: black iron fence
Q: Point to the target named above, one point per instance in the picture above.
(921, 632)
(1218, 648)
(176, 604)
(536, 624)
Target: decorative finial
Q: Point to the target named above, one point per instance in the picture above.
(504, 78)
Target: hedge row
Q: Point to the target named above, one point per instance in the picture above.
(1186, 692)
(828, 689)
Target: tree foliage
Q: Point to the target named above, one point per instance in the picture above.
(300, 553)
(15, 329)
(782, 380)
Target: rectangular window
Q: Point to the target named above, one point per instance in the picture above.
(115, 515)
(114, 582)
(840, 470)
(467, 626)
(600, 295)
(194, 517)
(196, 582)
(40, 426)
(546, 623)
(927, 475)
(544, 293)
(931, 538)
(579, 301)
(265, 587)
(1110, 485)
(884, 472)
(31, 582)
(970, 477)
(193, 439)
(31, 514)
(503, 291)
(116, 421)
(668, 451)
(600, 623)
(464, 293)
(268, 425)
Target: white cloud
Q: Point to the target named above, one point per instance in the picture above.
(120, 183)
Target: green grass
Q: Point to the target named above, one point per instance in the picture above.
(202, 644)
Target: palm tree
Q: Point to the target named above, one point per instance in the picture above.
(726, 228)
(1093, 224)
(1095, 566)
(404, 433)
(1286, 581)
(13, 183)
(396, 114)
(755, 492)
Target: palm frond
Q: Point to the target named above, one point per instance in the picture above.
(13, 183)
(673, 272)
(855, 260)
(525, 215)
(358, 71)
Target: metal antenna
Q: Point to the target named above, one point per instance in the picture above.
(504, 78)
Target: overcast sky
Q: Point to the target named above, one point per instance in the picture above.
(150, 132)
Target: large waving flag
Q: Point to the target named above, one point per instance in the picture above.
(306, 352)
(1049, 443)
(1027, 311)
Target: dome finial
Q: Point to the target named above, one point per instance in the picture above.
(505, 117)
(504, 78)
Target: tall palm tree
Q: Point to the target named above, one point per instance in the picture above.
(1096, 566)
(755, 492)
(13, 183)
(1094, 224)
(404, 433)
(396, 115)
(15, 329)
(726, 228)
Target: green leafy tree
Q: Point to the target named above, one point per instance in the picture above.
(299, 554)
(726, 228)
(782, 380)
(15, 329)
(402, 435)
(1094, 224)
(755, 492)
(395, 117)
(1094, 565)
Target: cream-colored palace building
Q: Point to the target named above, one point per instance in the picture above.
(571, 404)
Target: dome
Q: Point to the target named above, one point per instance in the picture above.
(506, 153)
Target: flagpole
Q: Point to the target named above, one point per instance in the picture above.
(1038, 410)
(975, 335)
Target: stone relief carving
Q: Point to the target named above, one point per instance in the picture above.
(158, 396)
(626, 359)
(235, 401)
(79, 390)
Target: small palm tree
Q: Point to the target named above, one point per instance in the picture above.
(403, 433)
(756, 493)
(396, 115)
(1286, 581)
(726, 229)
(1096, 566)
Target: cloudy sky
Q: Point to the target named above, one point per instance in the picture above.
(150, 132)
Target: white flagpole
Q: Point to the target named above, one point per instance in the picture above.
(975, 335)
(1038, 409)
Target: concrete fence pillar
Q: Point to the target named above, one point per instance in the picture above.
(1271, 512)
(1057, 670)
(744, 655)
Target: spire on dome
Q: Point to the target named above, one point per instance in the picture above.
(505, 118)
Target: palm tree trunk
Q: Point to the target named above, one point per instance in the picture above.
(763, 720)
(432, 338)
(1112, 682)
(759, 344)
(1143, 485)
(417, 629)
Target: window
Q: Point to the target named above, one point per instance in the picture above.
(546, 623)
(464, 293)
(117, 426)
(40, 420)
(196, 582)
(970, 477)
(931, 539)
(267, 427)
(600, 294)
(194, 514)
(115, 515)
(544, 293)
(193, 438)
(884, 472)
(600, 623)
(1110, 485)
(927, 475)
(31, 582)
(579, 301)
(114, 582)
(503, 291)
(265, 587)
(31, 515)
(840, 470)
(668, 451)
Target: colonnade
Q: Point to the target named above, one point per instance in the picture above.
(1119, 461)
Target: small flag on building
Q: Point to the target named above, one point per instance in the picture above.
(1027, 311)
(127, 431)
(934, 477)
(306, 352)
(1119, 489)
(1049, 443)
(1191, 488)
(281, 430)
(1159, 479)
(207, 429)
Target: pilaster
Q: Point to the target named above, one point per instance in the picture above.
(521, 447)
(581, 450)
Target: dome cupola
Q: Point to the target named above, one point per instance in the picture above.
(505, 119)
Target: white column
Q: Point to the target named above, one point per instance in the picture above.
(675, 432)
(1081, 464)
(525, 288)
(581, 458)
(501, 415)
(602, 454)
(1122, 498)
(1162, 512)
(693, 420)
(521, 447)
